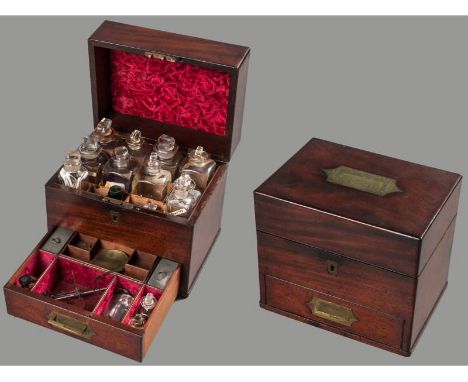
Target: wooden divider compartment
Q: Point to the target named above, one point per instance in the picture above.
(88, 321)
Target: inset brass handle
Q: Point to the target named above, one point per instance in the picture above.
(70, 325)
(332, 312)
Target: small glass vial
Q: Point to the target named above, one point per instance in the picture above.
(168, 153)
(148, 303)
(153, 180)
(137, 147)
(199, 166)
(119, 306)
(183, 196)
(73, 173)
(93, 158)
(119, 169)
(106, 136)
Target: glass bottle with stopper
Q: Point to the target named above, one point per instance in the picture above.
(137, 147)
(148, 303)
(152, 180)
(106, 136)
(183, 196)
(93, 158)
(73, 173)
(119, 169)
(199, 166)
(168, 153)
(119, 306)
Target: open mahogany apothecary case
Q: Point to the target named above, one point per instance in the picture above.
(159, 83)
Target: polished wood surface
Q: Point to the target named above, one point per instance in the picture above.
(370, 323)
(191, 50)
(123, 36)
(302, 181)
(114, 336)
(390, 265)
(172, 237)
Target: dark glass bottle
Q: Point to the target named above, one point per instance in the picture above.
(119, 169)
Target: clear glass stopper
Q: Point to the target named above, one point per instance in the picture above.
(72, 161)
(135, 141)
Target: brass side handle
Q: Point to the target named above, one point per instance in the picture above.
(332, 312)
(70, 325)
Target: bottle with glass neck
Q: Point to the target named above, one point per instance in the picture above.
(168, 153)
(93, 158)
(119, 169)
(199, 166)
(183, 196)
(137, 147)
(106, 136)
(73, 173)
(152, 180)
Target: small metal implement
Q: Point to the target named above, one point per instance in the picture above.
(76, 293)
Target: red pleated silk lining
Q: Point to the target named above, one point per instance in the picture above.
(170, 92)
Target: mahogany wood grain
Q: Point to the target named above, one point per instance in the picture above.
(352, 280)
(230, 58)
(432, 282)
(302, 181)
(114, 336)
(370, 323)
(335, 330)
(123, 36)
(161, 310)
(172, 237)
(432, 236)
(347, 237)
(390, 253)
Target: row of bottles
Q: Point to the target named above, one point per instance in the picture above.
(134, 166)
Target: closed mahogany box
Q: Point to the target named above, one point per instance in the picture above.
(159, 83)
(355, 242)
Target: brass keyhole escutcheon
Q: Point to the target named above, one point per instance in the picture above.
(332, 267)
(114, 217)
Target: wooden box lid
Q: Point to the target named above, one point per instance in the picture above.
(378, 209)
(158, 82)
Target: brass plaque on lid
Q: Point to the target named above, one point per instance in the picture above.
(362, 180)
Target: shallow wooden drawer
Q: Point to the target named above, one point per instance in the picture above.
(336, 275)
(87, 321)
(338, 313)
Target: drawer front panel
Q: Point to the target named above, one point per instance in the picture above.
(80, 326)
(333, 274)
(329, 310)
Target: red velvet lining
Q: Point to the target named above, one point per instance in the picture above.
(131, 286)
(170, 92)
(136, 304)
(36, 265)
(64, 274)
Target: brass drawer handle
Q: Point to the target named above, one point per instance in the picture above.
(332, 312)
(70, 325)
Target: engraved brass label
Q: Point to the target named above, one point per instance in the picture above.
(70, 325)
(332, 312)
(361, 180)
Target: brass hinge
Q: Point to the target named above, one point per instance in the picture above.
(162, 57)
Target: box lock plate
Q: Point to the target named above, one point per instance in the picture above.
(114, 216)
